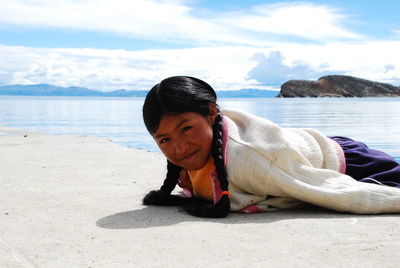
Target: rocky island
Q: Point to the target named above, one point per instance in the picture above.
(337, 86)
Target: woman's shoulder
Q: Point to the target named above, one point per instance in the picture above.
(252, 131)
(250, 124)
(237, 115)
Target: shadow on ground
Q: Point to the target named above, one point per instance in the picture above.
(153, 216)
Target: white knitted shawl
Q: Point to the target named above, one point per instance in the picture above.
(271, 168)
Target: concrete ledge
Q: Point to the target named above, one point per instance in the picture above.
(75, 201)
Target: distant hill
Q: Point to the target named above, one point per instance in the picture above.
(50, 90)
(337, 86)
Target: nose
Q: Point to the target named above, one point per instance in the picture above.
(181, 146)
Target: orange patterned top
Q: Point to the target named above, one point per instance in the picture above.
(201, 180)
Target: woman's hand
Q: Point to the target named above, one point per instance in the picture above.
(194, 206)
(203, 208)
(161, 198)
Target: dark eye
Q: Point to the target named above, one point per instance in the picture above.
(186, 128)
(164, 140)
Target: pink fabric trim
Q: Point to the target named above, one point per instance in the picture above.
(187, 192)
(216, 187)
(185, 183)
(342, 159)
(251, 209)
(225, 140)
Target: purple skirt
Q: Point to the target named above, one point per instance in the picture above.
(368, 165)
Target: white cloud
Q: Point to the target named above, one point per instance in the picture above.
(389, 67)
(223, 67)
(224, 45)
(306, 20)
(366, 59)
(176, 21)
(273, 70)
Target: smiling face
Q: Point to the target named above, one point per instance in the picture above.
(186, 138)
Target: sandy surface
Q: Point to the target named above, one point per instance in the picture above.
(75, 201)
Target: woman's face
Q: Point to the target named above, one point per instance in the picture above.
(186, 139)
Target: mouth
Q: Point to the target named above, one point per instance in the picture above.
(188, 157)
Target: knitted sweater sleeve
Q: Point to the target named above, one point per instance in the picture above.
(331, 189)
(263, 163)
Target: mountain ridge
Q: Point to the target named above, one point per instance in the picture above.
(51, 90)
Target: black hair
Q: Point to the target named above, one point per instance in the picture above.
(175, 95)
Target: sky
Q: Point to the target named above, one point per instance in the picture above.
(231, 44)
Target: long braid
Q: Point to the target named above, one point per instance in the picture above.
(222, 207)
(217, 153)
(163, 197)
(172, 178)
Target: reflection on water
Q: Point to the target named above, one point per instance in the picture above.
(371, 120)
(374, 121)
(116, 118)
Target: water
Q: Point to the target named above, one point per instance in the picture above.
(374, 121)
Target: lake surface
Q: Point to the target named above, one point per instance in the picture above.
(375, 121)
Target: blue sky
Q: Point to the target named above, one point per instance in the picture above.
(132, 44)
